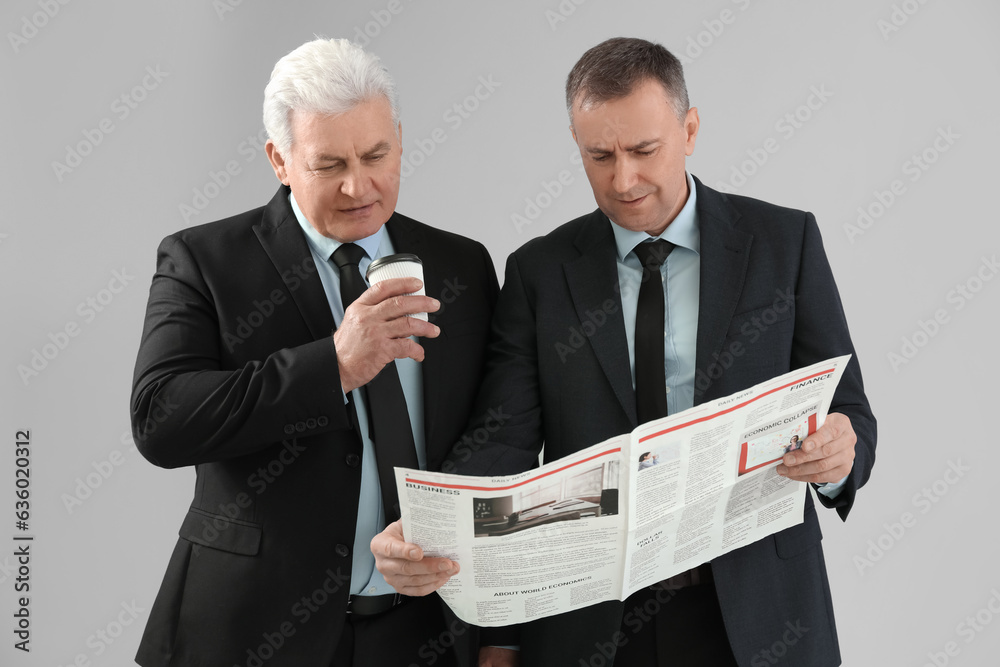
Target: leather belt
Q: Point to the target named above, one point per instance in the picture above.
(373, 605)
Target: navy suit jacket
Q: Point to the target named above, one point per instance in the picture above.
(768, 304)
(237, 375)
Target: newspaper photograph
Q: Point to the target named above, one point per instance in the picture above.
(622, 514)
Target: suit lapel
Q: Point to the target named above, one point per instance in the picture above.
(725, 254)
(285, 244)
(593, 280)
(407, 237)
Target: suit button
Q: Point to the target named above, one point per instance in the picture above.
(322, 421)
(289, 429)
(310, 423)
(353, 460)
(342, 550)
(300, 426)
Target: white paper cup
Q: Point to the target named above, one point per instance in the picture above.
(402, 265)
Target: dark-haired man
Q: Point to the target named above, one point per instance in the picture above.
(684, 276)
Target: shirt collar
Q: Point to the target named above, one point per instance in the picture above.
(324, 246)
(682, 230)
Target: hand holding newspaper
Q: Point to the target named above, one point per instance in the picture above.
(625, 513)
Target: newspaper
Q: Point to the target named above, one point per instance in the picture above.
(625, 513)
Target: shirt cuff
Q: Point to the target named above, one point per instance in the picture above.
(832, 489)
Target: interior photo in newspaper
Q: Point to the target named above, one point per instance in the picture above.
(622, 514)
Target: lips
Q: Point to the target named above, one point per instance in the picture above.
(633, 202)
(358, 210)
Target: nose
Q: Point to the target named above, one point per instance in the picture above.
(624, 177)
(355, 182)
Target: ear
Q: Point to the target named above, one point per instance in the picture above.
(691, 124)
(277, 162)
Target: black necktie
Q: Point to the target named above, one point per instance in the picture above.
(650, 375)
(387, 415)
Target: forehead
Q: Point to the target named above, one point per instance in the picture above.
(639, 115)
(361, 127)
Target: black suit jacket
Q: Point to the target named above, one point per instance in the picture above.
(767, 304)
(237, 375)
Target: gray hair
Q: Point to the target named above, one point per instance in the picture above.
(327, 76)
(614, 68)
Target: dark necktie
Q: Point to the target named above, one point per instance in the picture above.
(387, 416)
(650, 375)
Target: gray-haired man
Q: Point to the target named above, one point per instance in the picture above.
(293, 407)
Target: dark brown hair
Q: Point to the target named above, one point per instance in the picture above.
(612, 70)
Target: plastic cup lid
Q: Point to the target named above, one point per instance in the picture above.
(389, 259)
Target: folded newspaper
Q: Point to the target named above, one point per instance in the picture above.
(622, 514)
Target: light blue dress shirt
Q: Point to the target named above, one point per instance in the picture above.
(681, 282)
(365, 579)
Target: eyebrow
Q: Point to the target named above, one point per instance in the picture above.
(637, 147)
(377, 148)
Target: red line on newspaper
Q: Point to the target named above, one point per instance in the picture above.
(735, 407)
(514, 486)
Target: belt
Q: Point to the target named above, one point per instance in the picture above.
(373, 605)
(696, 576)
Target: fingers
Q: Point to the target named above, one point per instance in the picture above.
(400, 326)
(416, 572)
(395, 298)
(418, 591)
(403, 564)
(379, 292)
(826, 456)
(417, 578)
(390, 544)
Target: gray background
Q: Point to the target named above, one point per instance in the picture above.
(62, 237)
